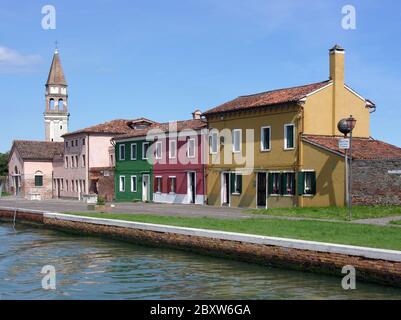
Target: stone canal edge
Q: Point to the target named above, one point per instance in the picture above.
(372, 265)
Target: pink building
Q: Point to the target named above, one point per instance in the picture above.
(30, 168)
(87, 163)
(179, 168)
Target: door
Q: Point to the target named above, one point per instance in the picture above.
(17, 186)
(58, 188)
(191, 187)
(225, 189)
(145, 188)
(261, 189)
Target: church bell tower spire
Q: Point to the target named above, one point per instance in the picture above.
(56, 111)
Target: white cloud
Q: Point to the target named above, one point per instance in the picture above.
(12, 61)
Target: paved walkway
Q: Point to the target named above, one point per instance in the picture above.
(59, 205)
(180, 210)
(379, 221)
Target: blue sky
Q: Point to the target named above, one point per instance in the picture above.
(163, 59)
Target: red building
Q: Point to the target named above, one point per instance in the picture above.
(179, 162)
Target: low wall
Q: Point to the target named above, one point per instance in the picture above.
(21, 215)
(376, 182)
(374, 265)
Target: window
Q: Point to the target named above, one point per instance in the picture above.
(236, 183)
(76, 143)
(76, 161)
(38, 179)
(213, 142)
(83, 141)
(274, 183)
(288, 183)
(122, 184)
(66, 144)
(191, 148)
(66, 162)
(121, 152)
(158, 150)
(173, 149)
(72, 185)
(237, 137)
(62, 185)
(289, 136)
(145, 148)
(83, 186)
(67, 185)
(172, 184)
(307, 183)
(72, 162)
(83, 161)
(158, 184)
(265, 137)
(133, 183)
(133, 151)
(111, 160)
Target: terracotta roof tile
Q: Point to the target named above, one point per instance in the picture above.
(269, 98)
(119, 126)
(181, 125)
(362, 148)
(38, 150)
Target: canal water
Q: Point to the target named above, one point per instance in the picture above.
(94, 268)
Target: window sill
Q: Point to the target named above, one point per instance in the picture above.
(308, 195)
(289, 149)
(267, 150)
(274, 195)
(236, 194)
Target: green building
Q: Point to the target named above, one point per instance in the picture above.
(133, 172)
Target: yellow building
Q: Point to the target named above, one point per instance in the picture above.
(263, 150)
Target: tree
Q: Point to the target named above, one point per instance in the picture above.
(3, 164)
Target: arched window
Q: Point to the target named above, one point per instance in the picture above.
(51, 104)
(60, 104)
(38, 179)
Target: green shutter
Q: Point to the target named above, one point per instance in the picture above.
(240, 183)
(293, 184)
(283, 183)
(301, 183)
(270, 183)
(313, 178)
(232, 182)
(38, 181)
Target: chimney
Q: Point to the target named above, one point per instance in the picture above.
(196, 115)
(337, 54)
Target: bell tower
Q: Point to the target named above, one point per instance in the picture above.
(56, 111)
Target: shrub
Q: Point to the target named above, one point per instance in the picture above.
(101, 201)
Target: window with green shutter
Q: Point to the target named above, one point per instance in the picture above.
(236, 183)
(288, 183)
(307, 183)
(38, 180)
(275, 183)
